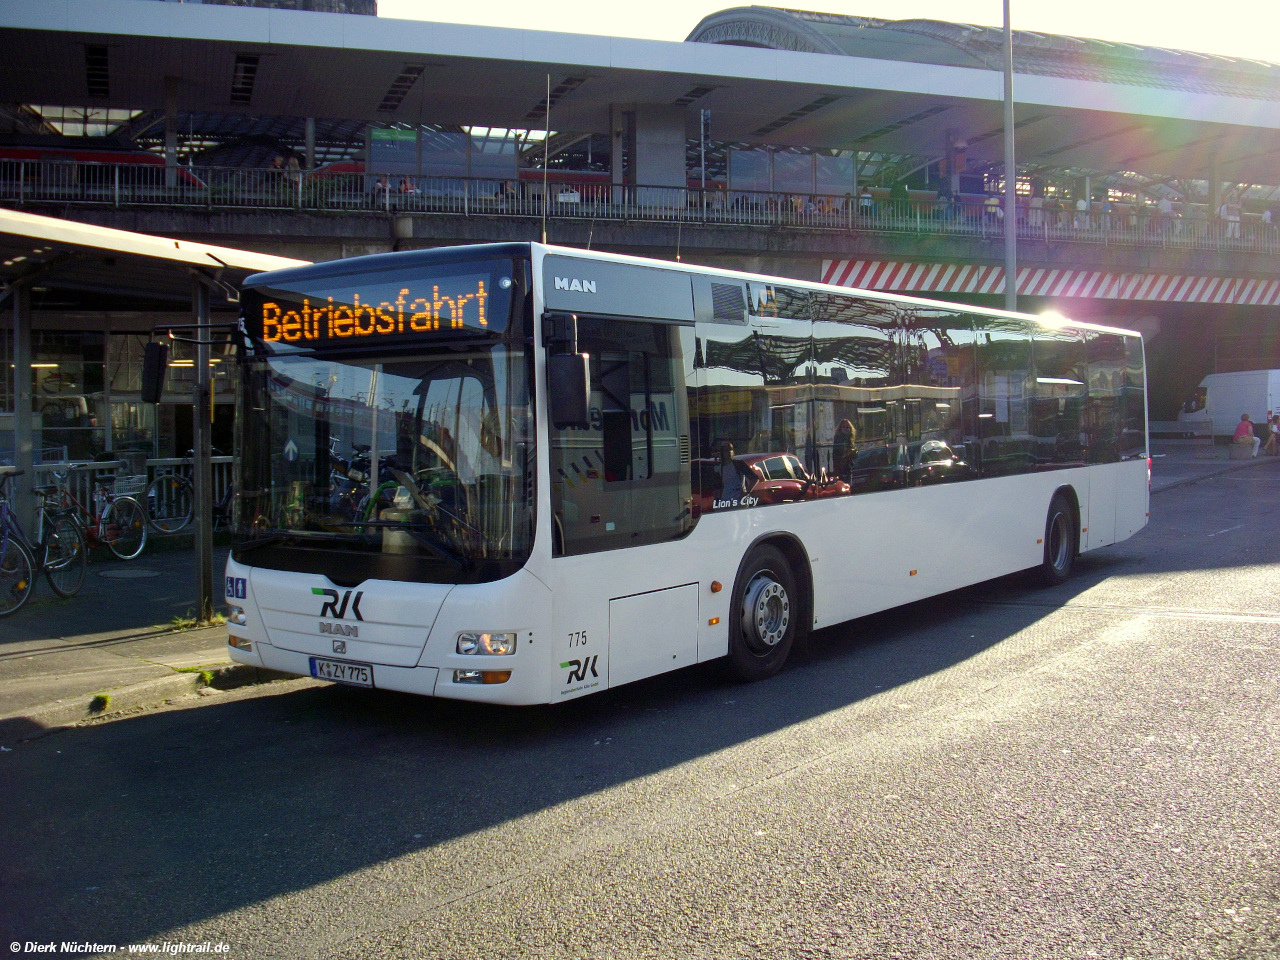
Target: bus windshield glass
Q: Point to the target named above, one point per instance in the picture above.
(409, 458)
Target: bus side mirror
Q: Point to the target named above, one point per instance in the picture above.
(569, 390)
(155, 358)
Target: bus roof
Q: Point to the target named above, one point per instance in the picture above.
(1046, 320)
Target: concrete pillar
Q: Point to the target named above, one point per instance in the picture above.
(202, 470)
(621, 148)
(108, 444)
(310, 136)
(660, 157)
(23, 432)
(956, 148)
(170, 131)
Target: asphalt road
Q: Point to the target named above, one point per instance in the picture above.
(1088, 771)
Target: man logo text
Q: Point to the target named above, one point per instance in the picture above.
(340, 629)
(332, 607)
(573, 283)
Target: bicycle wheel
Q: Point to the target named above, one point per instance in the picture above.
(123, 528)
(65, 555)
(170, 501)
(17, 573)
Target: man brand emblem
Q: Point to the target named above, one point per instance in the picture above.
(331, 607)
(340, 630)
(580, 668)
(573, 283)
(339, 646)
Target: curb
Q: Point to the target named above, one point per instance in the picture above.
(34, 722)
(1240, 465)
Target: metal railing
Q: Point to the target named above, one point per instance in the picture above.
(81, 476)
(1196, 435)
(133, 185)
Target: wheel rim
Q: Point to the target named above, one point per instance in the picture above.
(1059, 542)
(15, 577)
(65, 559)
(125, 529)
(766, 612)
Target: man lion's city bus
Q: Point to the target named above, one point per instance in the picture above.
(520, 473)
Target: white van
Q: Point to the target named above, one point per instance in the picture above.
(1222, 397)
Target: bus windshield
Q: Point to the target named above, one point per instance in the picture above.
(386, 425)
(422, 459)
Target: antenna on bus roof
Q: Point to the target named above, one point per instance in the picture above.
(546, 160)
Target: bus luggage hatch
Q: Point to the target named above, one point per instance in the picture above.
(652, 632)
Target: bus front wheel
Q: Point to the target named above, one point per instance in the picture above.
(764, 617)
(1061, 536)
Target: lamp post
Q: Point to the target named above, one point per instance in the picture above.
(1010, 176)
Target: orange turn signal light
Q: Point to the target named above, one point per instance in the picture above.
(495, 676)
(713, 621)
(716, 586)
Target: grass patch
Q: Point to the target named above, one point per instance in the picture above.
(206, 675)
(190, 622)
(100, 703)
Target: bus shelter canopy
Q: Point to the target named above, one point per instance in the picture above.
(88, 259)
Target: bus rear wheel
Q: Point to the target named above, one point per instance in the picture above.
(1061, 542)
(764, 617)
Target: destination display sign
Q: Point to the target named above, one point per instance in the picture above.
(354, 309)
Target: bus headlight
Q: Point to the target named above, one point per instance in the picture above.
(493, 644)
(236, 614)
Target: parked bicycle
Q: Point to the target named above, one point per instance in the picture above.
(116, 520)
(58, 552)
(170, 499)
(171, 502)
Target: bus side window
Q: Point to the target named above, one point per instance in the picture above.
(1108, 367)
(625, 441)
(624, 480)
(857, 387)
(1005, 389)
(1058, 412)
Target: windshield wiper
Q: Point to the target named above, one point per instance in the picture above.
(265, 541)
(436, 546)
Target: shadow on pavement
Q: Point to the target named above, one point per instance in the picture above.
(120, 832)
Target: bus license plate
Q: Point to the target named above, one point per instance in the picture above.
(339, 671)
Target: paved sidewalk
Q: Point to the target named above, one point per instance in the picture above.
(58, 658)
(112, 647)
(1176, 462)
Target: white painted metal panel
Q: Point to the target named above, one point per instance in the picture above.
(1104, 484)
(1133, 498)
(391, 623)
(652, 633)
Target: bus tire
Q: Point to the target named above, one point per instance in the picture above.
(1061, 542)
(764, 617)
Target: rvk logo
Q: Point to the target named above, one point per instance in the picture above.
(579, 669)
(332, 608)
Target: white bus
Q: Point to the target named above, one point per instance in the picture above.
(520, 473)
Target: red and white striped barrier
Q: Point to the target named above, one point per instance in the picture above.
(903, 277)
